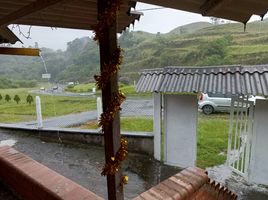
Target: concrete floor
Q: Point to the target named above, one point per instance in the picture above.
(83, 164)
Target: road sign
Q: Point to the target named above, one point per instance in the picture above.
(47, 76)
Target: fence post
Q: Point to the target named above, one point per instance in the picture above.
(38, 112)
(94, 90)
(99, 108)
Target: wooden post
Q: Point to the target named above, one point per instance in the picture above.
(107, 45)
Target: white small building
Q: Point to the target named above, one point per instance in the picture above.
(175, 92)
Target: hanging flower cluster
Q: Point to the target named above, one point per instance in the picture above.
(107, 18)
(115, 163)
(114, 107)
(108, 71)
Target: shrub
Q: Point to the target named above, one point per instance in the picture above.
(29, 99)
(7, 98)
(17, 98)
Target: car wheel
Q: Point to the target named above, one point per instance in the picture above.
(207, 109)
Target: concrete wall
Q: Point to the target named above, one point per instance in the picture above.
(180, 118)
(139, 142)
(157, 126)
(259, 160)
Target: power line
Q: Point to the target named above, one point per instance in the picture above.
(148, 9)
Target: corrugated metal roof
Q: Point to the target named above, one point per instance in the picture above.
(217, 80)
(7, 36)
(237, 10)
(80, 14)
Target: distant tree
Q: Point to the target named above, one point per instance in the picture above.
(182, 30)
(7, 98)
(17, 98)
(1, 97)
(215, 20)
(29, 99)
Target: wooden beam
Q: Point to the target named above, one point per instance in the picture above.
(27, 10)
(108, 45)
(19, 51)
(211, 5)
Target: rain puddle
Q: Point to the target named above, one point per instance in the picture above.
(9, 142)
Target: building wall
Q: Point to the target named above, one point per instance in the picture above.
(180, 118)
(259, 160)
(139, 142)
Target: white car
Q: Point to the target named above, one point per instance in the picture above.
(210, 103)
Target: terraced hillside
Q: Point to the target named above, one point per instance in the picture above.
(197, 44)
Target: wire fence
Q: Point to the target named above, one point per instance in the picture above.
(61, 109)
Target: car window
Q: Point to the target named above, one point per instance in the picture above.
(218, 95)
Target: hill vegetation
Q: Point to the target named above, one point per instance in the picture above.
(197, 44)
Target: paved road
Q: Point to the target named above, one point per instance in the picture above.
(62, 93)
(134, 107)
(64, 121)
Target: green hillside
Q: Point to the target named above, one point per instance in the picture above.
(196, 44)
(210, 45)
(190, 28)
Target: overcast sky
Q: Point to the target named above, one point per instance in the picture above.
(153, 21)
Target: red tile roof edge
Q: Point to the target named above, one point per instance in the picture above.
(190, 184)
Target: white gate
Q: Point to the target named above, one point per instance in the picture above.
(240, 135)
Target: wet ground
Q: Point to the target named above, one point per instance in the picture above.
(237, 184)
(83, 164)
(6, 193)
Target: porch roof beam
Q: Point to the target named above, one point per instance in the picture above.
(211, 5)
(27, 10)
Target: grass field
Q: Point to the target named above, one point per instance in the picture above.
(212, 136)
(127, 124)
(51, 106)
(87, 87)
(128, 90)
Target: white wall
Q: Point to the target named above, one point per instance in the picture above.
(180, 129)
(157, 125)
(259, 160)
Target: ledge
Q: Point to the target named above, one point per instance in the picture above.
(32, 180)
(190, 184)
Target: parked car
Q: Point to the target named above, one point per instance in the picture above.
(210, 103)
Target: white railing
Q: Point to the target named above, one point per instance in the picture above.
(240, 135)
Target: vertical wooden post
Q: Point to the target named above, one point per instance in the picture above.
(107, 45)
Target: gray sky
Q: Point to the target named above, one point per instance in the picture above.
(161, 20)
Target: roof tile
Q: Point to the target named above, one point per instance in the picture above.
(232, 80)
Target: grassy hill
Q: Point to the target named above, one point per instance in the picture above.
(195, 44)
(202, 44)
(190, 28)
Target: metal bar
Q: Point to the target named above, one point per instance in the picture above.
(19, 51)
(244, 136)
(230, 135)
(249, 144)
(236, 127)
(240, 132)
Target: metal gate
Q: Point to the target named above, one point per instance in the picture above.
(240, 135)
